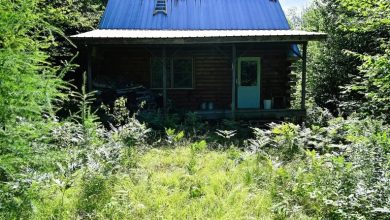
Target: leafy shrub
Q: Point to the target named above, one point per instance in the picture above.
(196, 149)
(30, 89)
(159, 121)
(285, 137)
(199, 146)
(174, 137)
(341, 172)
(192, 123)
(94, 195)
(367, 193)
(318, 116)
(260, 142)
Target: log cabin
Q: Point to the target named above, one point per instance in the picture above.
(217, 58)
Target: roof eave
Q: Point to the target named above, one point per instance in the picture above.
(199, 40)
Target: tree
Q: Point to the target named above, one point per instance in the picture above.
(28, 83)
(352, 26)
(72, 17)
(30, 86)
(372, 83)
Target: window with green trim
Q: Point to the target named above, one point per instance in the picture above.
(179, 73)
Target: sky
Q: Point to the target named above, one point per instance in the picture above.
(299, 4)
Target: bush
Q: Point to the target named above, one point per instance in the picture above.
(349, 179)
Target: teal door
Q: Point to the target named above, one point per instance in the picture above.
(248, 88)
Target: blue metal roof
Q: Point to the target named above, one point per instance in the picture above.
(195, 15)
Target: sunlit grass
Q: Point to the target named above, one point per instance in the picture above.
(162, 187)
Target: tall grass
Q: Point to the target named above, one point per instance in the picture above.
(266, 180)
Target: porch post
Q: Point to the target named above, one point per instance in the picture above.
(164, 79)
(234, 73)
(304, 60)
(89, 68)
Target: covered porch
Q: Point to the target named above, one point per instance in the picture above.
(234, 45)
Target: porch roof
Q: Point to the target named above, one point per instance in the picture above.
(126, 36)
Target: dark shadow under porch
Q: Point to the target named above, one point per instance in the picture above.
(272, 114)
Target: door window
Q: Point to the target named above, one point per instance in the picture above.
(249, 73)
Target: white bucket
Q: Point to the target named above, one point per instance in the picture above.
(267, 104)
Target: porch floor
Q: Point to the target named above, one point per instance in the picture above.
(252, 113)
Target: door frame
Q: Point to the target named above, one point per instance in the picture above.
(238, 84)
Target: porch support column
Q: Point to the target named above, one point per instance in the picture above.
(89, 68)
(164, 60)
(234, 76)
(304, 63)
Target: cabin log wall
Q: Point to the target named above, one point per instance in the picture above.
(212, 71)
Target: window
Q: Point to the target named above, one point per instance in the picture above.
(157, 73)
(248, 73)
(179, 73)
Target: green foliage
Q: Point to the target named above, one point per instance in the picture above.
(75, 168)
(372, 81)
(364, 16)
(286, 136)
(318, 116)
(348, 180)
(30, 90)
(160, 121)
(160, 188)
(127, 128)
(192, 123)
(72, 17)
(174, 137)
(94, 195)
(260, 142)
(199, 146)
(338, 80)
(373, 85)
(29, 85)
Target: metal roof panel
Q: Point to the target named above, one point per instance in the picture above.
(195, 15)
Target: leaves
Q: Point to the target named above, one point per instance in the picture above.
(226, 134)
(339, 78)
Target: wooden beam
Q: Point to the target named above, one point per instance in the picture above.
(304, 64)
(89, 69)
(164, 59)
(234, 77)
(221, 52)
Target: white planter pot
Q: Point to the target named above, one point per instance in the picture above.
(267, 104)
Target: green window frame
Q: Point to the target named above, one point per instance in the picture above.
(180, 74)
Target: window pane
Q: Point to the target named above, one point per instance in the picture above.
(248, 73)
(182, 73)
(157, 73)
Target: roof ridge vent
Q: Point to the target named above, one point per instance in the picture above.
(160, 7)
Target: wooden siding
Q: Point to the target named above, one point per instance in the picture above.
(212, 71)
